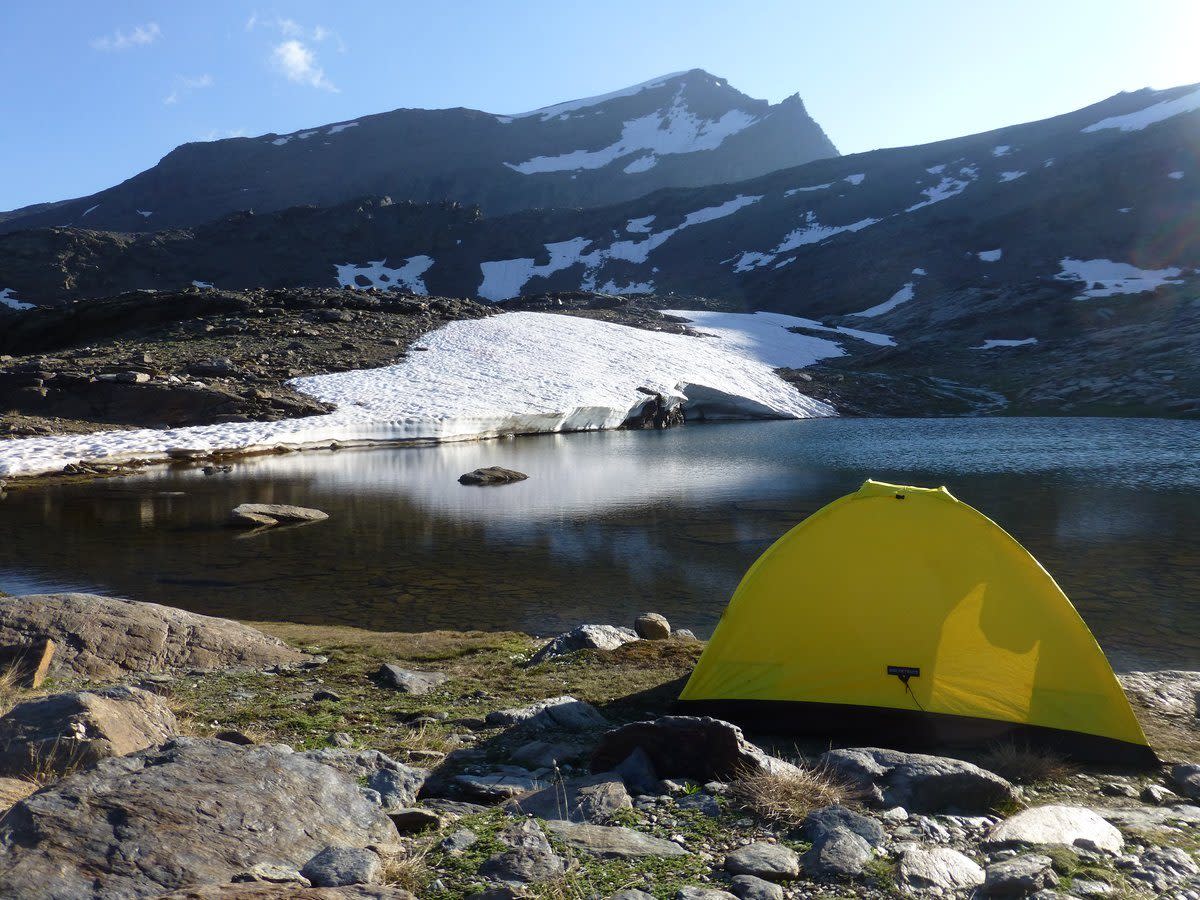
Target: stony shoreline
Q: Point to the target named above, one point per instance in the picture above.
(451, 764)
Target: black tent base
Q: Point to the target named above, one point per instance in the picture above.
(912, 729)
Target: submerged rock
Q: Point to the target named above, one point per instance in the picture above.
(491, 475)
(190, 812)
(104, 637)
(61, 732)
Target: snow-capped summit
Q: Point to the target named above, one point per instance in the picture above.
(688, 129)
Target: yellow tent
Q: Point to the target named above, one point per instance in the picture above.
(903, 614)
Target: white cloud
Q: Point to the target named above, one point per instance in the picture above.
(291, 28)
(138, 36)
(185, 84)
(299, 64)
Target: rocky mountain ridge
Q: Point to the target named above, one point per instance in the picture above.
(683, 130)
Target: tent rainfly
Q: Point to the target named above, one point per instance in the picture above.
(903, 615)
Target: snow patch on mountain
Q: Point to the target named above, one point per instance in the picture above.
(1011, 176)
(856, 179)
(338, 129)
(1176, 175)
(506, 278)
(203, 285)
(7, 299)
(145, 213)
(990, 255)
(801, 190)
(811, 232)
(641, 164)
(1106, 278)
(89, 209)
(948, 187)
(517, 373)
(992, 343)
(549, 112)
(406, 277)
(663, 132)
(1001, 150)
(1159, 112)
(901, 296)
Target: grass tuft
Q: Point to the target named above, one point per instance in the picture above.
(1023, 764)
(787, 798)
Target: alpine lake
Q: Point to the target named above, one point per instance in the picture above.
(612, 524)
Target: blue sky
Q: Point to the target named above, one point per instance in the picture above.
(93, 93)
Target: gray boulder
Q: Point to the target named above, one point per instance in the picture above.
(693, 892)
(920, 783)
(407, 681)
(103, 637)
(837, 853)
(65, 731)
(259, 515)
(397, 784)
(529, 856)
(554, 714)
(631, 894)
(503, 783)
(190, 812)
(652, 627)
(1186, 778)
(1048, 826)
(340, 866)
(637, 771)
(463, 839)
(595, 799)
(613, 841)
(821, 821)
(702, 749)
(938, 869)
(770, 861)
(548, 754)
(584, 637)
(1020, 875)
(748, 887)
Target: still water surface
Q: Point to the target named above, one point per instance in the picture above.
(615, 523)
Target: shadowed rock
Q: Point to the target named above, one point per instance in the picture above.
(594, 799)
(103, 637)
(491, 475)
(190, 812)
(64, 731)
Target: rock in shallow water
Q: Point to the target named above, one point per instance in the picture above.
(257, 515)
(491, 475)
(190, 812)
(104, 637)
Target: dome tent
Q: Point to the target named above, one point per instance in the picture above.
(904, 614)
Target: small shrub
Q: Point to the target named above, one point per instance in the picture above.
(786, 798)
(408, 870)
(1022, 764)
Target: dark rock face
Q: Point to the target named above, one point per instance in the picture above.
(102, 637)
(190, 812)
(492, 475)
(920, 783)
(702, 749)
(64, 731)
(504, 163)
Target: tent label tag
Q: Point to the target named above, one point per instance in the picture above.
(904, 671)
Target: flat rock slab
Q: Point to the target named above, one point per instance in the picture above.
(257, 515)
(584, 637)
(919, 782)
(770, 861)
(692, 892)
(1068, 826)
(65, 731)
(396, 783)
(702, 749)
(492, 787)
(938, 869)
(103, 637)
(491, 475)
(547, 754)
(260, 891)
(595, 799)
(408, 681)
(555, 714)
(190, 812)
(614, 841)
(1147, 818)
